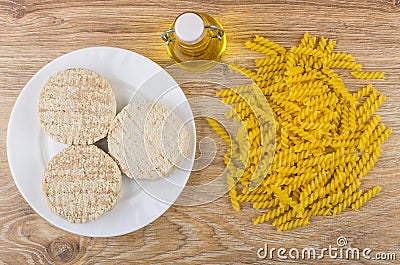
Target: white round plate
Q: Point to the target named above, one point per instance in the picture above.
(29, 148)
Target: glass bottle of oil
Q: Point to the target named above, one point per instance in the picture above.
(195, 41)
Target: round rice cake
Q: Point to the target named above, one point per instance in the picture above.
(148, 140)
(81, 183)
(76, 106)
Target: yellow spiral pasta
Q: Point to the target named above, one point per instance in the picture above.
(365, 91)
(365, 197)
(301, 77)
(293, 224)
(346, 202)
(247, 72)
(330, 46)
(232, 99)
(270, 60)
(379, 140)
(254, 197)
(284, 218)
(344, 65)
(219, 130)
(226, 93)
(270, 44)
(368, 75)
(232, 192)
(270, 68)
(322, 44)
(260, 48)
(270, 215)
(327, 138)
(303, 50)
(265, 204)
(340, 56)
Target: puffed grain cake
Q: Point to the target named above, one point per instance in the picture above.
(76, 106)
(148, 140)
(81, 183)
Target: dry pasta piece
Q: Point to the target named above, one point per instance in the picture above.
(363, 92)
(267, 43)
(341, 56)
(247, 72)
(270, 60)
(270, 68)
(346, 202)
(233, 193)
(265, 204)
(219, 130)
(330, 46)
(226, 92)
(365, 197)
(345, 65)
(293, 224)
(368, 75)
(270, 215)
(260, 48)
(327, 139)
(308, 41)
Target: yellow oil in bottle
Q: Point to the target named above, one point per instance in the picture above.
(202, 53)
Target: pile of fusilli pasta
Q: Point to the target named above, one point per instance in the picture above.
(327, 139)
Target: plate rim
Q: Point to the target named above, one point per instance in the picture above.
(12, 117)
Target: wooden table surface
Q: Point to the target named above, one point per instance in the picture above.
(33, 32)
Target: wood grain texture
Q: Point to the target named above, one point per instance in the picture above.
(33, 32)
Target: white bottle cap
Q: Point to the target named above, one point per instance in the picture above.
(189, 28)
